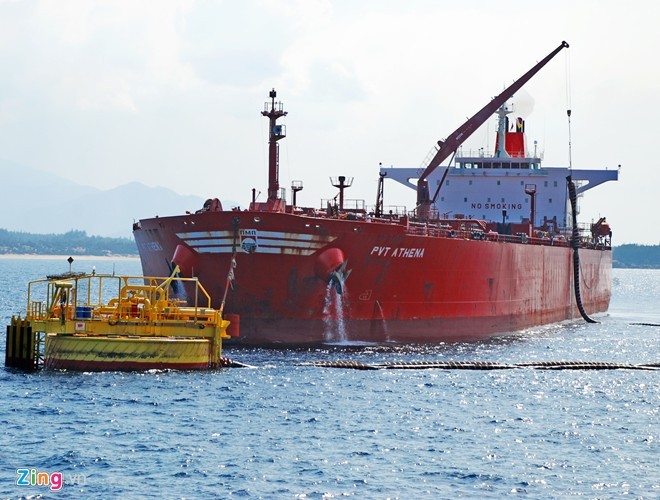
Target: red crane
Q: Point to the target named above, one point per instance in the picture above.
(456, 138)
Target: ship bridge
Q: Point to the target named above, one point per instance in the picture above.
(491, 162)
(494, 188)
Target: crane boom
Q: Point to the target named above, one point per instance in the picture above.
(456, 138)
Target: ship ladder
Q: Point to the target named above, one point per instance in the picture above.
(24, 345)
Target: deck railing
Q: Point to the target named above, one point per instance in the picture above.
(112, 297)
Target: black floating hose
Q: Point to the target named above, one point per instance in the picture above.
(481, 365)
(575, 243)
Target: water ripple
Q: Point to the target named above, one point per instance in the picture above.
(288, 430)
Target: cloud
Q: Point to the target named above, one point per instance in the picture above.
(96, 55)
(331, 81)
(236, 43)
(235, 66)
(151, 91)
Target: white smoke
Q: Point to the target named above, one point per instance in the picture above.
(523, 103)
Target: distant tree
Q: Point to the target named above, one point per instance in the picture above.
(636, 256)
(72, 243)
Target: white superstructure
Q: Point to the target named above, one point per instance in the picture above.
(493, 188)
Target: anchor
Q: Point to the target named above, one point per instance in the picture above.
(339, 276)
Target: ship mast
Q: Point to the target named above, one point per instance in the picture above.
(502, 127)
(456, 138)
(274, 111)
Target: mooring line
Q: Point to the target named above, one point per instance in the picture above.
(481, 365)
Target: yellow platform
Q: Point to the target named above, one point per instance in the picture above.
(148, 323)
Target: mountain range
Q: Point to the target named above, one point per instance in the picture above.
(39, 202)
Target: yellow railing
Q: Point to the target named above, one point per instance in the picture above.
(136, 297)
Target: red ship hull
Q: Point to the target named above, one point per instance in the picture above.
(407, 283)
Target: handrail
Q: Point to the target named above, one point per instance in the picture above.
(146, 300)
(473, 233)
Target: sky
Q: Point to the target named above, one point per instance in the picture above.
(169, 93)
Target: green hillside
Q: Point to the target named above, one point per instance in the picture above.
(637, 256)
(70, 243)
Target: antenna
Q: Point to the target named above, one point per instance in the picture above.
(530, 189)
(274, 111)
(570, 149)
(380, 193)
(568, 109)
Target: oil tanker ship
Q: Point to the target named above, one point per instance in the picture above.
(492, 246)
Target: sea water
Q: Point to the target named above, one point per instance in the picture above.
(285, 430)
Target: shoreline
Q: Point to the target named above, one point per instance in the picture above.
(64, 257)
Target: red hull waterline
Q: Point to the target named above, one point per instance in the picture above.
(404, 283)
